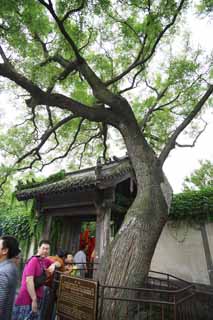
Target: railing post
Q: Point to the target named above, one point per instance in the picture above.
(175, 308)
(101, 301)
(162, 312)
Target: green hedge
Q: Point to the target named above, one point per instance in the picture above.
(18, 226)
(27, 227)
(196, 206)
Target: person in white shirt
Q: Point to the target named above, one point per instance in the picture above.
(80, 260)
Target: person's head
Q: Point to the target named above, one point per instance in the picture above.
(43, 248)
(9, 247)
(68, 262)
(68, 258)
(61, 253)
(83, 246)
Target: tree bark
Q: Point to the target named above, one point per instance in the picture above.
(127, 261)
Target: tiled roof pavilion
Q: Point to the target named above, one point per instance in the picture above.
(82, 196)
(100, 177)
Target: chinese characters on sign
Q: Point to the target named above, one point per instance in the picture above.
(77, 299)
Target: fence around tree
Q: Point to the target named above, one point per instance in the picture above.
(162, 297)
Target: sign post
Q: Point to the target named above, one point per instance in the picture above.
(77, 299)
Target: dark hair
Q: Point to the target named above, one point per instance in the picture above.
(10, 243)
(61, 253)
(82, 246)
(66, 254)
(44, 242)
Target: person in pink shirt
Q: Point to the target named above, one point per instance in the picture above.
(29, 298)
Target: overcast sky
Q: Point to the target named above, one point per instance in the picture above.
(183, 161)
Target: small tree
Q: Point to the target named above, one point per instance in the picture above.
(201, 177)
(88, 65)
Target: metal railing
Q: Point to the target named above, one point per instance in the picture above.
(164, 297)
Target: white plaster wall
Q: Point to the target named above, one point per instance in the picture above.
(180, 252)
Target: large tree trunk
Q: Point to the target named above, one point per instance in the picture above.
(127, 260)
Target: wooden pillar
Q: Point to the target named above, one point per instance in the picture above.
(74, 236)
(103, 229)
(70, 234)
(47, 228)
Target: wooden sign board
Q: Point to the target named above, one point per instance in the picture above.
(77, 299)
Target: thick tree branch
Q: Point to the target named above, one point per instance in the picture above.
(58, 100)
(69, 66)
(6, 70)
(72, 66)
(56, 58)
(171, 141)
(99, 88)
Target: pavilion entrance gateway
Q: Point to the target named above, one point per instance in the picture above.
(72, 233)
(100, 194)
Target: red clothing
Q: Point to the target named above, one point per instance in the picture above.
(91, 247)
(49, 280)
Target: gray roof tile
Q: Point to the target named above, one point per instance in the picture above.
(99, 177)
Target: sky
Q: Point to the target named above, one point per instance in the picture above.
(181, 161)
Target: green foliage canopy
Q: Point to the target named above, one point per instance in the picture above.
(201, 177)
(112, 36)
(206, 7)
